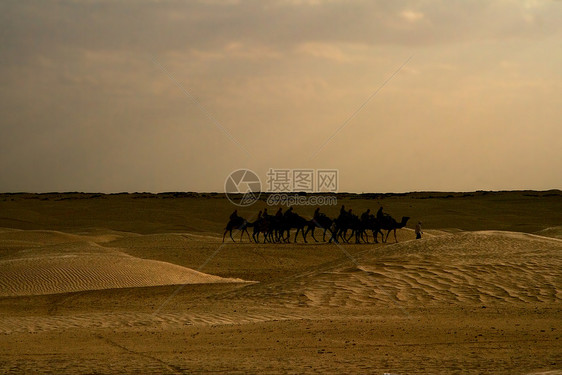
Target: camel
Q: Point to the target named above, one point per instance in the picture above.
(275, 227)
(321, 221)
(265, 225)
(292, 220)
(371, 223)
(238, 223)
(345, 221)
(390, 224)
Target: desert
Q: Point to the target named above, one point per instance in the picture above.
(142, 283)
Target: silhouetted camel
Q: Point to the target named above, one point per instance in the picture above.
(321, 221)
(344, 222)
(292, 220)
(372, 224)
(367, 222)
(390, 224)
(278, 228)
(238, 223)
(264, 225)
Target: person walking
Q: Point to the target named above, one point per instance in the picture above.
(418, 230)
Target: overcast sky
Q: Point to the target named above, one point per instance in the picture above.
(174, 95)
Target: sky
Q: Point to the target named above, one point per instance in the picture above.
(156, 95)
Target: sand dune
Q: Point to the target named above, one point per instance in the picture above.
(79, 266)
(468, 268)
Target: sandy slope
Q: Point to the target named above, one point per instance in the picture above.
(48, 262)
(470, 268)
(464, 269)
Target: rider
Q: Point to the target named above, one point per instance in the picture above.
(342, 210)
(380, 214)
(234, 215)
(289, 211)
(365, 215)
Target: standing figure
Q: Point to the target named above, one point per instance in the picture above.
(418, 230)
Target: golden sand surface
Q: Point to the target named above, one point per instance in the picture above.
(143, 284)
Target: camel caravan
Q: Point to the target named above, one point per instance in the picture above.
(277, 228)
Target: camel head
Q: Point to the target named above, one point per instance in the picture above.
(404, 221)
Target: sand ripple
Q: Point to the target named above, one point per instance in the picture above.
(87, 266)
(465, 268)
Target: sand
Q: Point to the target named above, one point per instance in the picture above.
(84, 298)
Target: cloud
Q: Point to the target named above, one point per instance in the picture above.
(411, 16)
(82, 101)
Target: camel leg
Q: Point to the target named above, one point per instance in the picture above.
(387, 234)
(313, 229)
(341, 235)
(365, 236)
(242, 234)
(233, 240)
(303, 236)
(224, 235)
(331, 237)
(334, 236)
(395, 239)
